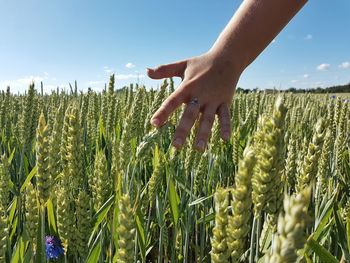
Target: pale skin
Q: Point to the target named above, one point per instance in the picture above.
(212, 77)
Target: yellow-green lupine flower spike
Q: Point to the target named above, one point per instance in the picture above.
(269, 145)
(102, 182)
(126, 231)
(42, 161)
(4, 183)
(84, 220)
(219, 249)
(238, 224)
(291, 229)
(32, 213)
(309, 167)
(65, 216)
(4, 230)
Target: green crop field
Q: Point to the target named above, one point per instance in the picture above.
(84, 177)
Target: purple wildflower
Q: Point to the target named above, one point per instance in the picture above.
(54, 247)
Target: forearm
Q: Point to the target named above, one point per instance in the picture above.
(252, 28)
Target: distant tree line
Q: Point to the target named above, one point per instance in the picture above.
(334, 89)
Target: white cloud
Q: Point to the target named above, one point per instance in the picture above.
(30, 79)
(294, 81)
(345, 64)
(129, 76)
(130, 65)
(22, 84)
(118, 77)
(96, 82)
(108, 70)
(306, 76)
(308, 37)
(323, 66)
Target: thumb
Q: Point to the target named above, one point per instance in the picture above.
(167, 71)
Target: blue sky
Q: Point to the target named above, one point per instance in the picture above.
(58, 42)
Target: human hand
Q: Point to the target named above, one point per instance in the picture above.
(209, 79)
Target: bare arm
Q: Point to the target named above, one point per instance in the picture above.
(211, 77)
(255, 24)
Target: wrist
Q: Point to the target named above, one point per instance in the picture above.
(228, 60)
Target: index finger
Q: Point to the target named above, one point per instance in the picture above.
(174, 101)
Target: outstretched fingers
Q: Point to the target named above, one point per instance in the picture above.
(205, 125)
(186, 122)
(174, 101)
(175, 69)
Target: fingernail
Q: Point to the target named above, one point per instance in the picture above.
(226, 135)
(177, 142)
(201, 145)
(155, 122)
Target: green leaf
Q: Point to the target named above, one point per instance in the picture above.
(94, 254)
(116, 222)
(200, 200)
(206, 218)
(348, 232)
(341, 234)
(51, 218)
(12, 209)
(11, 156)
(308, 259)
(29, 177)
(141, 233)
(14, 228)
(174, 201)
(28, 255)
(16, 256)
(320, 251)
(102, 212)
(41, 252)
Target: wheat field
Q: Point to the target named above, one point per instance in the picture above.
(84, 177)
